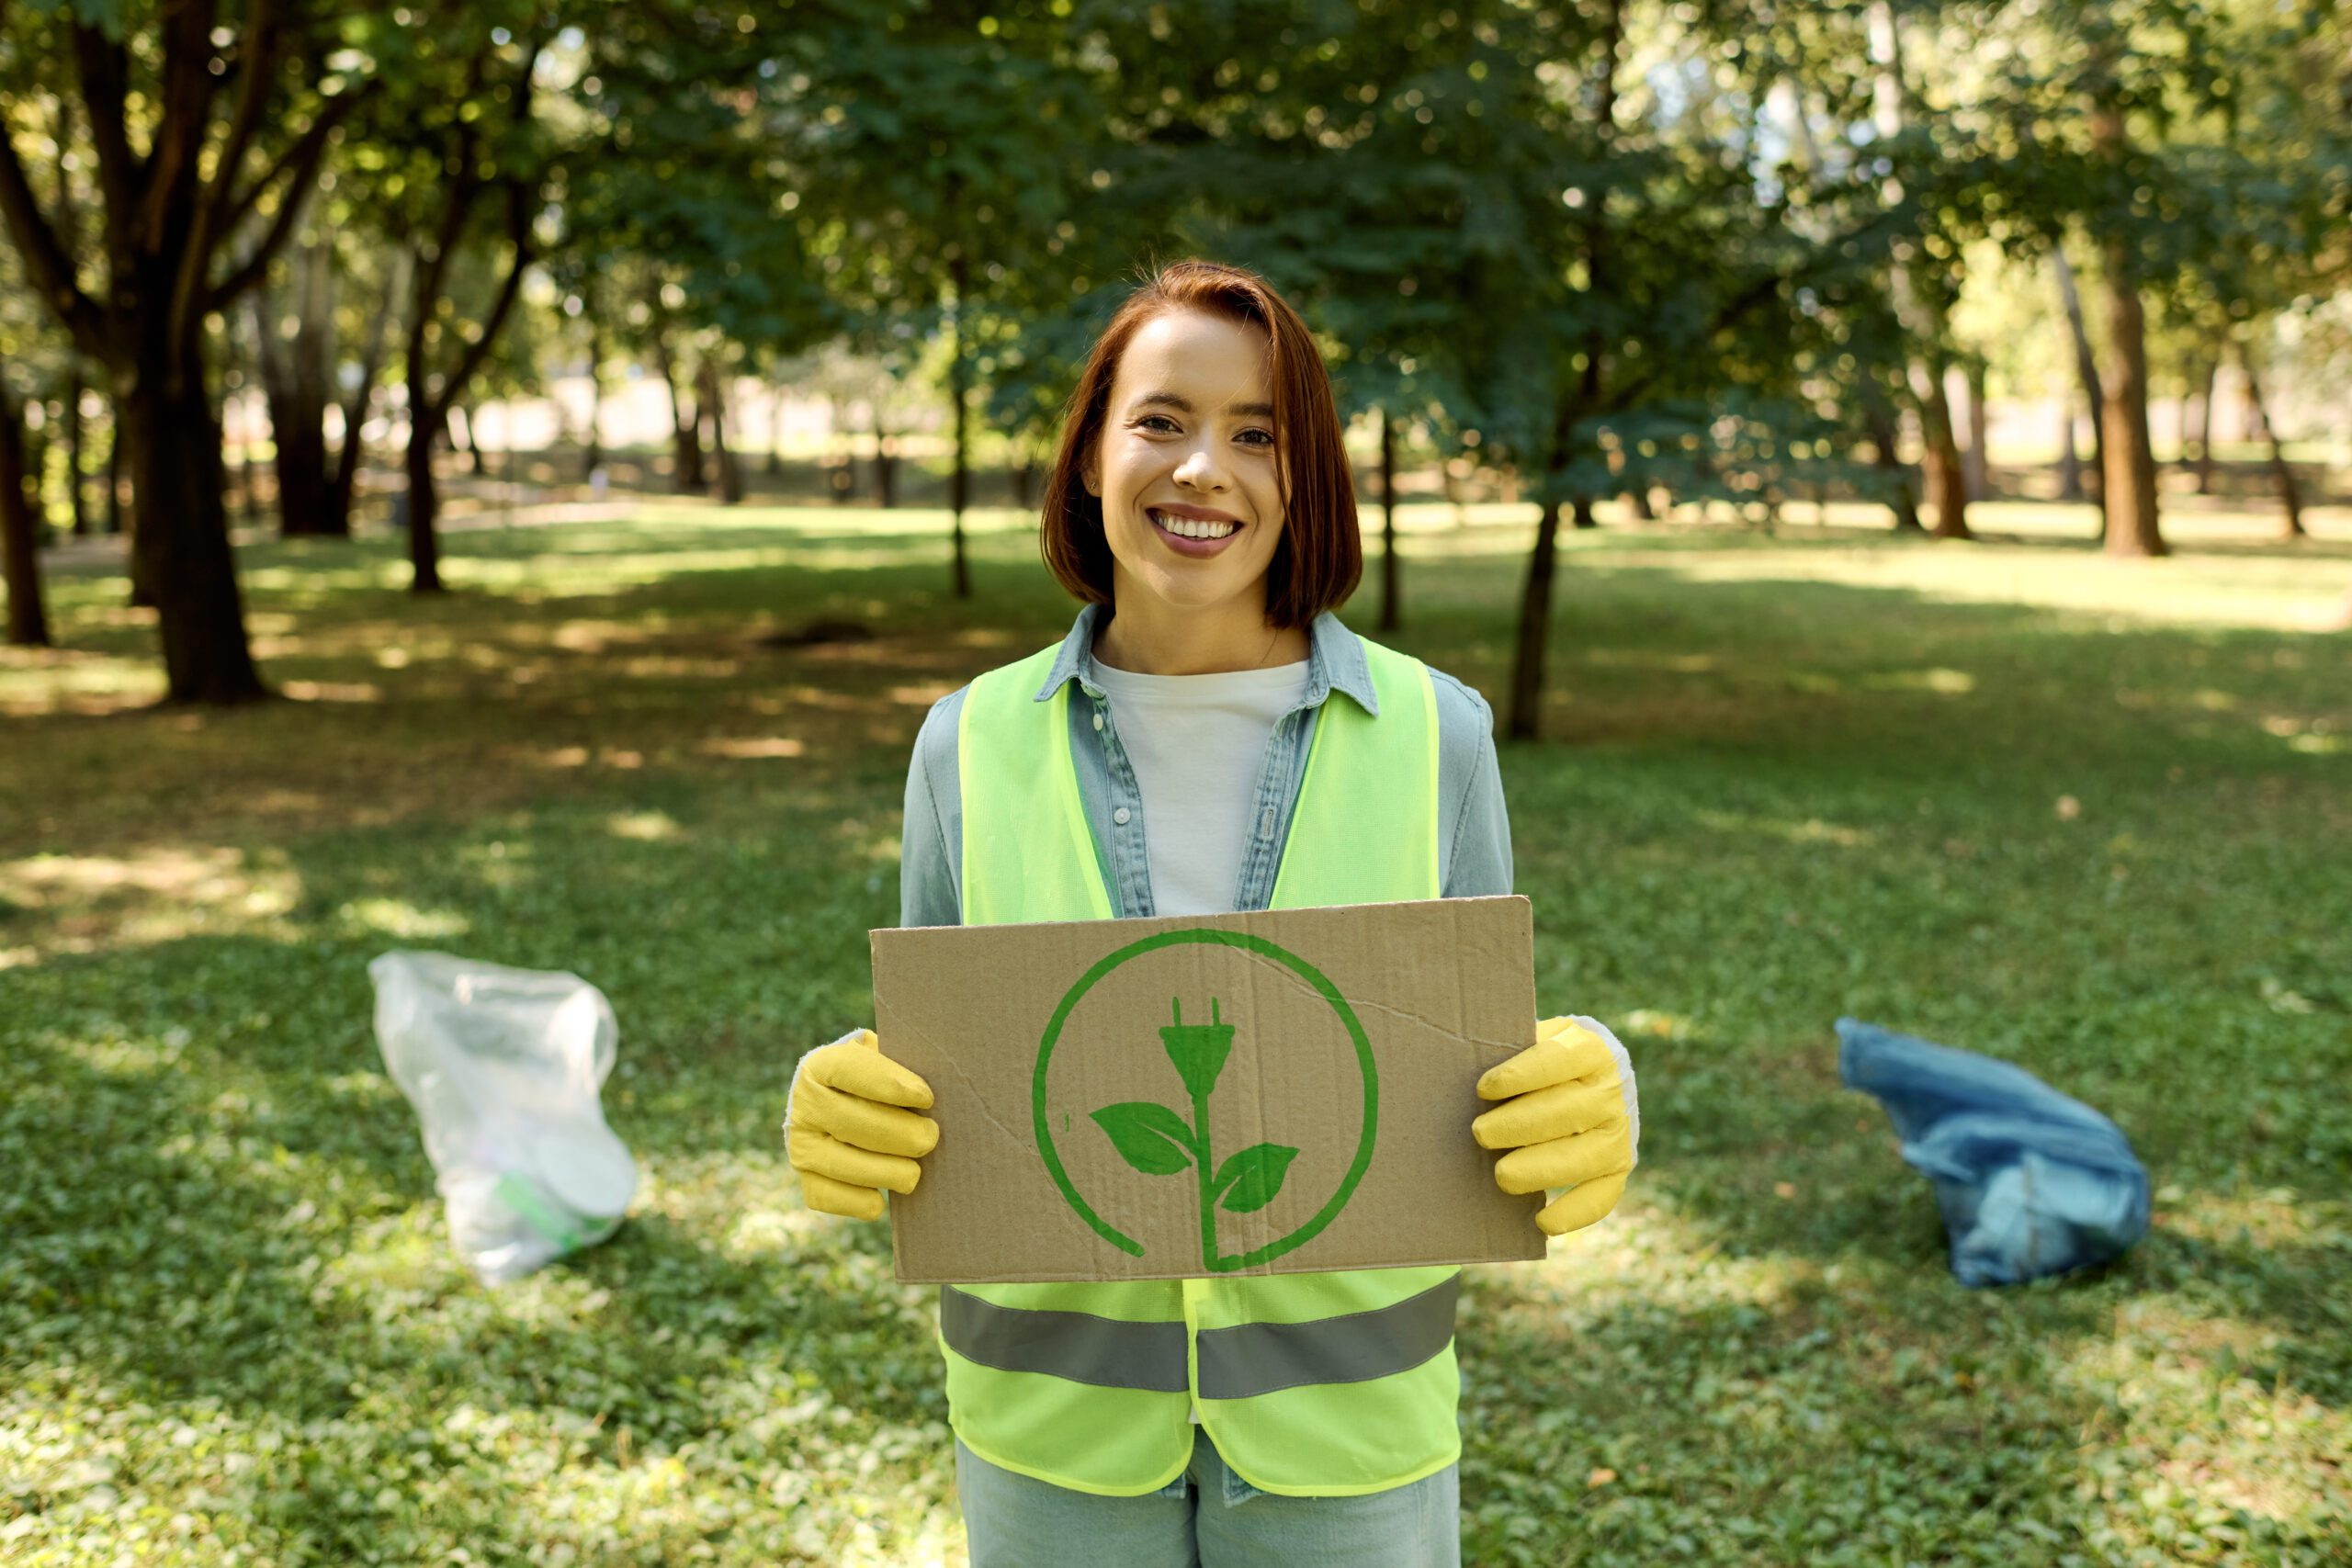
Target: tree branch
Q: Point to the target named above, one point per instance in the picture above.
(48, 261)
(303, 152)
(518, 231)
(175, 152)
(1761, 289)
(255, 72)
(100, 64)
(312, 148)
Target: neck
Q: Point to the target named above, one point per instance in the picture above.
(1149, 637)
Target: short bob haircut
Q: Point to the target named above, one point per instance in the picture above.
(1320, 558)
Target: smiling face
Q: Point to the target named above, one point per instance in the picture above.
(1187, 470)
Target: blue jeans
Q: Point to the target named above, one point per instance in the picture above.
(1208, 1517)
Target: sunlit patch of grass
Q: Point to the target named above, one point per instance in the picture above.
(41, 681)
(399, 918)
(1812, 831)
(646, 827)
(83, 902)
(2192, 1454)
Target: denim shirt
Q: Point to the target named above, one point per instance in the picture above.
(1473, 846)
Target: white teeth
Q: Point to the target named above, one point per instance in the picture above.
(1192, 528)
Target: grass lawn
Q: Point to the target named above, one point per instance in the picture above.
(2094, 819)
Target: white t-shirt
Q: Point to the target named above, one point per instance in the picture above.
(1196, 743)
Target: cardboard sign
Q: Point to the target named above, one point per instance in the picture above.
(1274, 1092)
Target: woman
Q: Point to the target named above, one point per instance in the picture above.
(1200, 743)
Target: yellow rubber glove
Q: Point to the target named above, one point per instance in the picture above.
(1569, 1118)
(851, 1128)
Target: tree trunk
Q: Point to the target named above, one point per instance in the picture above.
(2132, 522)
(712, 395)
(1639, 497)
(1449, 483)
(1531, 659)
(168, 212)
(1392, 603)
(343, 488)
(423, 542)
(465, 412)
(685, 436)
(2086, 372)
(19, 532)
(1534, 627)
(2205, 428)
(776, 396)
(248, 485)
(1944, 477)
(180, 533)
(37, 464)
(1921, 314)
(592, 456)
(2070, 461)
(114, 469)
(2291, 495)
(885, 466)
(76, 502)
(294, 382)
(68, 231)
(959, 480)
(1978, 466)
(1880, 414)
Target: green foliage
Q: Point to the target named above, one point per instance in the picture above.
(229, 1317)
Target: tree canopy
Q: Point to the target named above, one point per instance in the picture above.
(1704, 250)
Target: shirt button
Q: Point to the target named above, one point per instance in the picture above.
(1120, 817)
(1098, 721)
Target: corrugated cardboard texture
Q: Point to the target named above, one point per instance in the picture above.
(1438, 991)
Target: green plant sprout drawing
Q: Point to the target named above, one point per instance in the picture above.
(1158, 1142)
(1155, 1140)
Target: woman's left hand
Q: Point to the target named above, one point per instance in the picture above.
(1570, 1118)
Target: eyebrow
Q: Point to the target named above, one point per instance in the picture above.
(1183, 405)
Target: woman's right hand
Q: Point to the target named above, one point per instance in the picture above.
(852, 1129)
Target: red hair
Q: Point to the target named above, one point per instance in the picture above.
(1320, 557)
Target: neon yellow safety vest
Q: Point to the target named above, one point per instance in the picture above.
(1321, 1385)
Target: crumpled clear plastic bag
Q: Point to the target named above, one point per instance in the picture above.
(2030, 1182)
(504, 1066)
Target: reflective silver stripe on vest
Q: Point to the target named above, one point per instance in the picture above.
(1078, 1345)
(1251, 1358)
(1241, 1362)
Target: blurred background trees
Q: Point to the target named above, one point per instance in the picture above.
(1689, 254)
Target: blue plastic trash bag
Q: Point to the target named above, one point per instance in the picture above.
(2030, 1182)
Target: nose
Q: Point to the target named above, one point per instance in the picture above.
(1202, 469)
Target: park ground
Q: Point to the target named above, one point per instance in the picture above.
(2094, 817)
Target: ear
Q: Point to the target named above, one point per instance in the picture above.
(1090, 477)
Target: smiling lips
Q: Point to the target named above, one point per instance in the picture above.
(1192, 525)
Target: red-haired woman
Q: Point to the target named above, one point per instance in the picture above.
(1209, 728)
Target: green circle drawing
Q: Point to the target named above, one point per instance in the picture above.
(1205, 936)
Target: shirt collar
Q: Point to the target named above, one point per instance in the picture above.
(1335, 662)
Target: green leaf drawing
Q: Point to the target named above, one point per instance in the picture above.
(1149, 1137)
(1198, 1049)
(1250, 1178)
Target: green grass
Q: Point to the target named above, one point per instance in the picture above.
(1798, 778)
